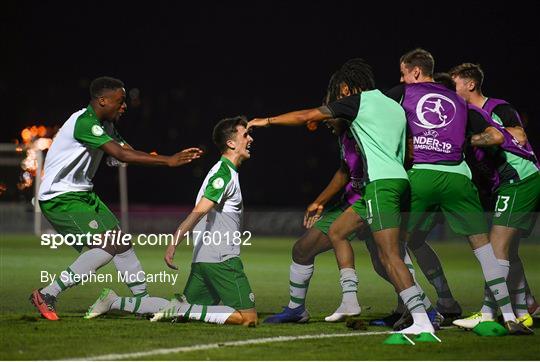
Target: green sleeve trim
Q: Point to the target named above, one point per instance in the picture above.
(228, 162)
(89, 131)
(218, 183)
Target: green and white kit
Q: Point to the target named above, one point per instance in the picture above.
(217, 273)
(65, 195)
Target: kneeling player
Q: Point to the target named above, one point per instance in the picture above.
(217, 274)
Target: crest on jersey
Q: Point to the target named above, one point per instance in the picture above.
(97, 130)
(218, 183)
(252, 297)
(435, 111)
(93, 224)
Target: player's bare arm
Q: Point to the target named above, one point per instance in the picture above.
(518, 133)
(315, 209)
(198, 212)
(127, 146)
(129, 155)
(296, 118)
(490, 137)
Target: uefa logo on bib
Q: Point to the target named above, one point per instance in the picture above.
(435, 111)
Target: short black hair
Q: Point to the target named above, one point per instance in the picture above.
(469, 71)
(102, 84)
(225, 129)
(445, 79)
(356, 73)
(420, 58)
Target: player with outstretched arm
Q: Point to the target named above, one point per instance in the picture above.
(378, 125)
(69, 204)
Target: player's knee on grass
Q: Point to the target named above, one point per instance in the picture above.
(250, 318)
(235, 318)
(245, 318)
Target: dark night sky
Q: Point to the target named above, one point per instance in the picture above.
(197, 63)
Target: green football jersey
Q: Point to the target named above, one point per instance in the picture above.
(378, 124)
(74, 155)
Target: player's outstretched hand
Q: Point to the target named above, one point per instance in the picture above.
(258, 122)
(185, 156)
(169, 256)
(313, 213)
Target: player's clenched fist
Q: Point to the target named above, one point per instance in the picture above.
(185, 156)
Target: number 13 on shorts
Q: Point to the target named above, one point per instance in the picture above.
(501, 205)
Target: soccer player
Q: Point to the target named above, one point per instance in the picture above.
(430, 265)
(68, 202)
(217, 273)
(517, 190)
(315, 240)
(378, 125)
(439, 121)
(427, 258)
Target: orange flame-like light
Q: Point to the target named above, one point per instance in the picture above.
(34, 140)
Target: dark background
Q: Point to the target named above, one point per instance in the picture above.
(195, 63)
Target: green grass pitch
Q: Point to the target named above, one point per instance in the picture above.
(24, 336)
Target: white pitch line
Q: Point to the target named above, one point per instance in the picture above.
(199, 347)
